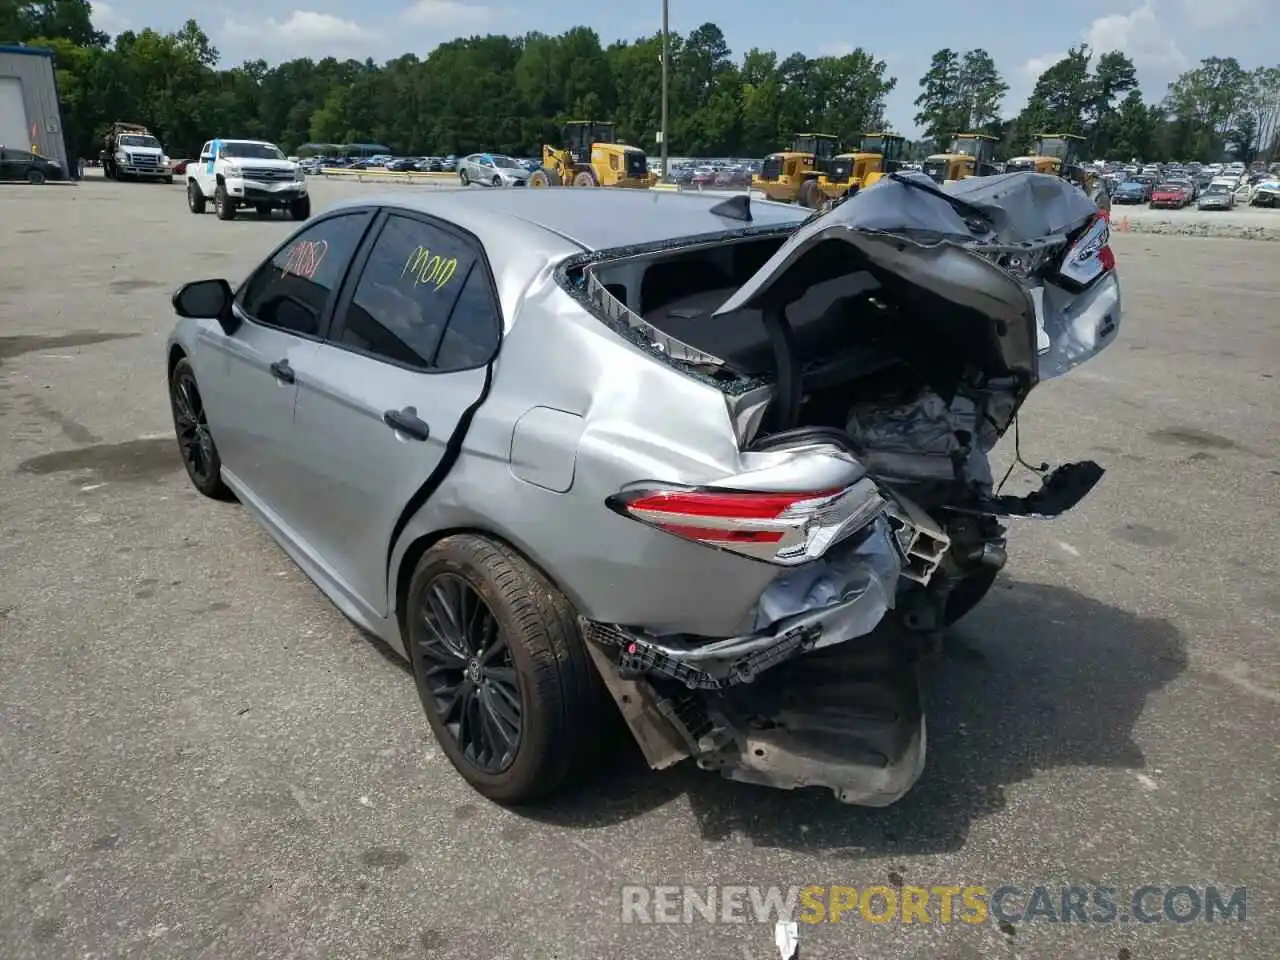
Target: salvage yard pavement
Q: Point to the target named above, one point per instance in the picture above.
(201, 758)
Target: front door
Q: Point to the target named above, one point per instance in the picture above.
(249, 380)
(407, 357)
(203, 170)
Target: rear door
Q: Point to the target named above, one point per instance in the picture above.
(249, 379)
(388, 397)
(13, 163)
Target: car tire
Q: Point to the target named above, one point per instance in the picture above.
(223, 205)
(525, 646)
(497, 180)
(195, 197)
(35, 177)
(968, 593)
(463, 178)
(195, 442)
(300, 209)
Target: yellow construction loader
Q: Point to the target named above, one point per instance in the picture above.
(792, 175)
(876, 155)
(591, 156)
(971, 155)
(1061, 154)
(1050, 153)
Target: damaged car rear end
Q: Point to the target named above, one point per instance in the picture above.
(790, 462)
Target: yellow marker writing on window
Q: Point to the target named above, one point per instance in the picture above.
(426, 267)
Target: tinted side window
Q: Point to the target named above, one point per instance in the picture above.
(417, 278)
(291, 289)
(471, 337)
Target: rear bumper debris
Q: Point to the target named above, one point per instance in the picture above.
(844, 595)
(849, 719)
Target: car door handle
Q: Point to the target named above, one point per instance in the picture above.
(408, 422)
(282, 371)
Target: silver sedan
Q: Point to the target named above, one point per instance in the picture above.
(492, 170)
(582, 453)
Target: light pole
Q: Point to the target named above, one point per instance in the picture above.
(665, 55)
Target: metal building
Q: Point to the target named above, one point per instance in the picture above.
(30, 117)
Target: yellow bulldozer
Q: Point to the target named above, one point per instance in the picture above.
(875, 155)
(792, 175)
(970, 155)
(590, 155)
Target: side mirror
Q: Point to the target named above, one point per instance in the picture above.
(207, 300)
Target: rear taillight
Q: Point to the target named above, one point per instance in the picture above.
(1090, 256)
(783, 528)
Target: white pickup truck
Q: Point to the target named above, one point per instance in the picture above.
(246, 173)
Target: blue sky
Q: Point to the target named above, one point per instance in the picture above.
(1163, 37)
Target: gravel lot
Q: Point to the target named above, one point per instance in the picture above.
(201, 758)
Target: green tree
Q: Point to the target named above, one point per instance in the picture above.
(1062, 98)
(1132, 131)
(959, 93)
(1205, 103)
(981, 92)
(1114, 76)
(938, 107)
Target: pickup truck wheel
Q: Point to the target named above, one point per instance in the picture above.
(502, 670)
(168, 180)
(223, 205)
(300, 209)
(195, 197)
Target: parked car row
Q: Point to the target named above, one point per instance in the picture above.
(1212, 186)
(313, 165)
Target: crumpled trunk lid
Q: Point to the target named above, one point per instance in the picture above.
(976, 248)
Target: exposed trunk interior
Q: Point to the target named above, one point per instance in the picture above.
(854, 335)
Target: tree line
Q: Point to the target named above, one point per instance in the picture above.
(511, 94)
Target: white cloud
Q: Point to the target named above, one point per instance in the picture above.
(1142, 35)
(1218, 13)
(107, 19)
(1032, 69)
(438, 13)
(1139, 34)
(302, 30)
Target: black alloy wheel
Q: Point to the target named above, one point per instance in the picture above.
(195, 442)
(469, 673)
(502, 670)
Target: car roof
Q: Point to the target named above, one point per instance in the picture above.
(576, 220)
(526, 231)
